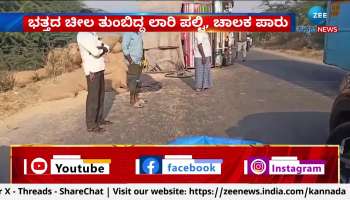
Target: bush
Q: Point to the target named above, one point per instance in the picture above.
(56, 62)
(61, 60)
(27, 51)
(36, 77)
(7, 81)
(291, 40)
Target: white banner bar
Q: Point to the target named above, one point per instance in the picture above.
(175, 191)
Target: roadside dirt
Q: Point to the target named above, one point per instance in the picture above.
(305, 55)
(270, 98)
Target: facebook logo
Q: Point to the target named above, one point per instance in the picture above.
(177, 165)
(150, 165)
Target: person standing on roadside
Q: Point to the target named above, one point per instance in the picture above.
(202, 61)
(241, 44)
(132, 46)
(92, 50)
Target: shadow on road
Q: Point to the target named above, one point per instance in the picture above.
(189, 82)
(109, 98)
(108, 103)
(320, 78)
(149, 84)
(283, 128)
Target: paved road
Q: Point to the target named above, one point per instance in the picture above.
(269, 98)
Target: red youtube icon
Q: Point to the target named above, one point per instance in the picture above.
(39, 165)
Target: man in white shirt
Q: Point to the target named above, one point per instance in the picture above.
(92, 50)
(202, 61)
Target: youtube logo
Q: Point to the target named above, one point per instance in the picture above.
(37, 166)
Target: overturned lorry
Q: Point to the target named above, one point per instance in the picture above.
(173, 52)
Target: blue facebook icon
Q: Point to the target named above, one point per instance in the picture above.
(151, 165)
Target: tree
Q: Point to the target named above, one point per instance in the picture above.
(300, 8)
(27, 50)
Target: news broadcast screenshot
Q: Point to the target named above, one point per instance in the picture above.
(201, 99)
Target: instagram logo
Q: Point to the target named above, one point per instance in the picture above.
(258, 166)
(283, 165)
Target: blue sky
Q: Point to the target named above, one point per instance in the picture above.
(132, 6)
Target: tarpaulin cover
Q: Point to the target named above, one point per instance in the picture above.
(152, 40)
(163, 49)
(205, 140)
(166, 59)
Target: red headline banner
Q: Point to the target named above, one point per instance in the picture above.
(178, 23)
(172, 164)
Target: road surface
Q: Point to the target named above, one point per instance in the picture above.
(269, 98)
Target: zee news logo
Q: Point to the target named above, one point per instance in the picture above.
(66, 165)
